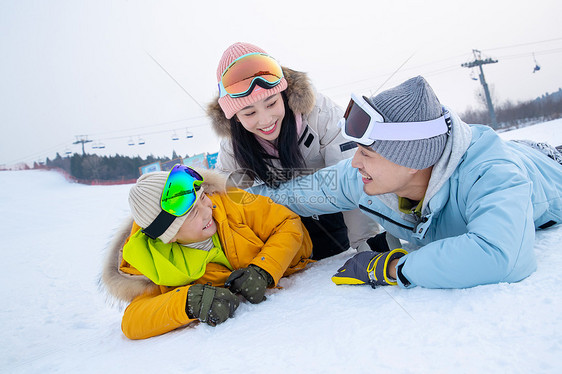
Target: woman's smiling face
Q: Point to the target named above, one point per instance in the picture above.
(264, 118)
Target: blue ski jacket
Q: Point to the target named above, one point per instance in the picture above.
(478, 224)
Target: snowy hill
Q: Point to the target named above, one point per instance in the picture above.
(54, 319)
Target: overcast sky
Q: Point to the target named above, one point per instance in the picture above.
(82, 67)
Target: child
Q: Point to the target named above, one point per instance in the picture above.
(193, 246)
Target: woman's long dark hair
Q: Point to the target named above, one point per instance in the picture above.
(250, 155)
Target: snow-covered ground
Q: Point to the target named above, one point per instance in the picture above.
(54, 318)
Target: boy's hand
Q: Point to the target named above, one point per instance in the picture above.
(250, 282)
(212, 305)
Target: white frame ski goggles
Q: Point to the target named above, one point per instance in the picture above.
(363, 124)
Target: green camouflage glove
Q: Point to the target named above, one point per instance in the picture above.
(212, 305)
(368, 268)
(250, 282)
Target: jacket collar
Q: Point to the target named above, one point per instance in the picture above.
(455, 148)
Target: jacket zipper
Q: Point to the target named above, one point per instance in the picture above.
(386, 218)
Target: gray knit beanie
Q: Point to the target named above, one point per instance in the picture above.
(411, 101)
(144, 200)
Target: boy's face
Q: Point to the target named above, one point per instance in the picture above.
(199, 224)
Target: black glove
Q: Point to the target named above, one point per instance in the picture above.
(212, 305)
(250, 282)
(368, 268)
(383, 242)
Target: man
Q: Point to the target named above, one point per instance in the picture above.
(469, 200)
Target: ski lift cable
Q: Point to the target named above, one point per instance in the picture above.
(42, 153)
(442, 70)
(417, 67)
(152, 132)
(548, 52)
(412, 68)
(147, 126)
(364, 88)
(524, 44)
(455, 67)
(178, 83)
(393, 73)
(526, 54)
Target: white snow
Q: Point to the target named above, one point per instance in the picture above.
(54, 319)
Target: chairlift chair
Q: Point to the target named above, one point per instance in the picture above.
(537, 66)
(141, 141)
(188, 134)
(131, 142)
(175, 137)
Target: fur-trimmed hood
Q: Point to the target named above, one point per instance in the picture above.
(125, 287)
(299, 92)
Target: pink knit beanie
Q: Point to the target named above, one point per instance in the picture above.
(230, 106)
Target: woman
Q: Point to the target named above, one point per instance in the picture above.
(276, 127)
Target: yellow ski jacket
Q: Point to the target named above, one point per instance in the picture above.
(251, 229)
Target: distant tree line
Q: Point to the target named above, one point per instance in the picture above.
(508, 114)
(102, 168)
(90, 167)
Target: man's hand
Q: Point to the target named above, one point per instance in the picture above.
(370, 268)
(382, 242)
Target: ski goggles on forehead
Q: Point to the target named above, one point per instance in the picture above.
(362, 123)
(178, 197)
(247, 71)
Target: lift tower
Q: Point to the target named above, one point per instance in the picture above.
(478, 61)
(82, 139)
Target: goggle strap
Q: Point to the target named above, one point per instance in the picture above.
(406, 131)
(257, 81)
(159, 225)
(377, 129)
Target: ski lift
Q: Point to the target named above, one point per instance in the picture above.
(175, 137)
(537, 66)
(141, 141)
(188, 134)
(67, 152)
(98, 145)
(472, 75)
(131, 142)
